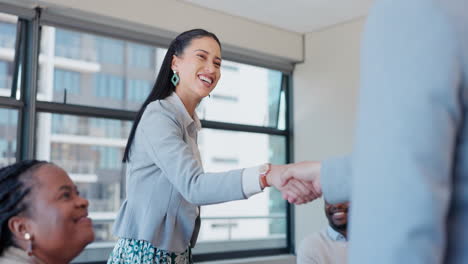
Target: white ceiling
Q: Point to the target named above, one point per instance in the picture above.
(300, 16)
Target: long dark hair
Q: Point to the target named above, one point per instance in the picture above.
(13, 191)
(163, 86)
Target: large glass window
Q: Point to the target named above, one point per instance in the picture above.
(68, 44)
(261, 217)
(4, 75)
(8, 132)
(109, 86)
(8, 117)
(7, 31)
(138, 90)
(247, 95)
(110, 51)
(141, 56)
(85, 80)
(90, 150)
(95, 70)
(7, 51)
(68, 81)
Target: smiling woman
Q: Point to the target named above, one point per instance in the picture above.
(43, 218)
(159, 220)
(199, 70)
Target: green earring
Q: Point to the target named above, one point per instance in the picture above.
(175, 79)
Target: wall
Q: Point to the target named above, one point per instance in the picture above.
(325, 91)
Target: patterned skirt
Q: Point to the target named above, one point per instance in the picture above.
(132, 251)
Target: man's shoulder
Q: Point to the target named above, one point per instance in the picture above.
(315, 248)
(315, 240)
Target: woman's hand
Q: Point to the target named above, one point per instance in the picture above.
(295, 190)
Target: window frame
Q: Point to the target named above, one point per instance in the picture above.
(28, 106)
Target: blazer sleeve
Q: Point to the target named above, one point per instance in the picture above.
(336, 179)
(408, 119)
(163, 136)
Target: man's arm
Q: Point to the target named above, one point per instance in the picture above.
(335, 177)
(332, 176)
(408, 118)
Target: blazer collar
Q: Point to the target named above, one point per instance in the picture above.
(182, 112)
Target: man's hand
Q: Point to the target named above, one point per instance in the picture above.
(305, 172)
(296, 191)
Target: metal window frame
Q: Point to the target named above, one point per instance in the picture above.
(21, 9)
(25, 54)
(20, 28)
(290, 236)
(7, 102)
(107, 26)
(29, 107)
(30, 62)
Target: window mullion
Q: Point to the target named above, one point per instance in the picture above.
(30, 58)
(287, 86)
(19, 47)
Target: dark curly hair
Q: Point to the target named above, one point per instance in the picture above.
(13, 191)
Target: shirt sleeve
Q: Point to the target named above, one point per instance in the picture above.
(408, 118)
(335, 178)
(251, 181)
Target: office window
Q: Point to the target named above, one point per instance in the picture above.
(85, 131)
(8, 24)
(8, 132)
(91, 167)
(141, 56)
(68, 44)
(262, 217)
(253, 89)
(7, 31)
(110, 51)
(109, 86)
(8, 116)
(138, 90)
(108, 128)
(75, 125)
(121, 72)
(67, 80)
(109, 157)
(5, 79)
(90, 150)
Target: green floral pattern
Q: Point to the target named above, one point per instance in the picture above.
(131, 251)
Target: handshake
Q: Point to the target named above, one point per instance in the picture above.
(298, 182)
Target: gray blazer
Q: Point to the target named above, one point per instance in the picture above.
(166, 181)
(409, 199)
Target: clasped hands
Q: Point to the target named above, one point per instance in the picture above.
(298, 182)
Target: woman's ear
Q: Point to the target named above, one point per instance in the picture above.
(18, 226)
(175, 63)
